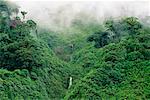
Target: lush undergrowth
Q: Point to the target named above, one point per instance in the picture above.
(87, 61)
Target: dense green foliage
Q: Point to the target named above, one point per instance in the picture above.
(109, 61)
(29, 68)
(115, 71)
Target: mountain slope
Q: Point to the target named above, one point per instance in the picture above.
(117, 71)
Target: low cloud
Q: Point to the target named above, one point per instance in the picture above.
(60, 14)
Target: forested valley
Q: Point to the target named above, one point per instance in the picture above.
(97, 61)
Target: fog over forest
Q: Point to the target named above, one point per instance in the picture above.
(58, 14)
(74, 50)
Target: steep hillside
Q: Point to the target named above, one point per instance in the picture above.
(29, 68)
(86, 61)
(115, 71)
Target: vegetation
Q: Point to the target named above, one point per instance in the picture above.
(97, 61)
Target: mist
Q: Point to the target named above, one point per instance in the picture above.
(56, 15)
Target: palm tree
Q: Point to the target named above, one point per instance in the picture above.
(23, 14)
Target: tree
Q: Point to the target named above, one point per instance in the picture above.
(132, 25)
(19, 50)
(4, 17)
(100, 38)
(23, 14)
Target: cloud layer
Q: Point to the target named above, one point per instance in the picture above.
(61, 14)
